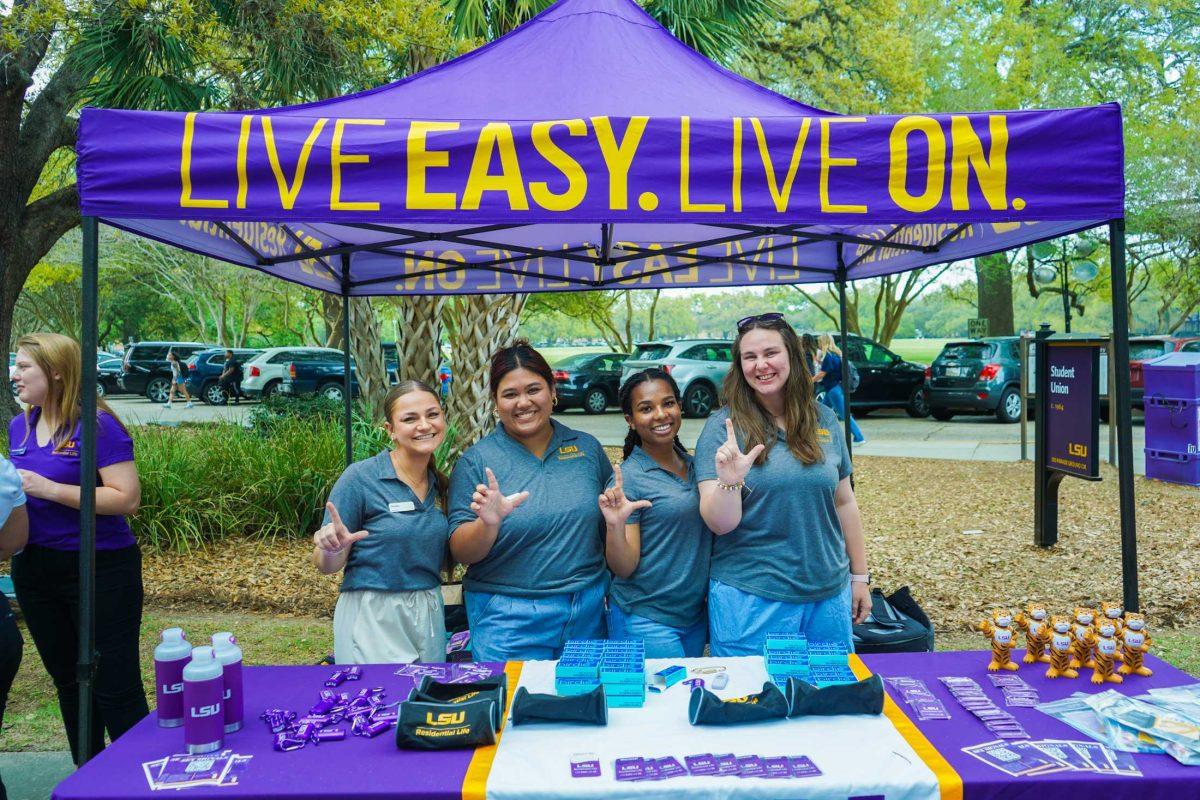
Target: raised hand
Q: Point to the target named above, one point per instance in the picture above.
(492, 505)
(335, 537)
(614, 505)
(732, 464)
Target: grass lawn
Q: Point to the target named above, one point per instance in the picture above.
(557, 354)
(922, 351)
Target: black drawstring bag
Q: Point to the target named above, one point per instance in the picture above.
(705, 708)
(495, 687)
(806, 700)
(582, 709)
(425, 725)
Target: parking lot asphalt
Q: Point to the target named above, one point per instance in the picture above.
(889, 433)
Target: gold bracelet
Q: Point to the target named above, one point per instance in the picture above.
(730, 487)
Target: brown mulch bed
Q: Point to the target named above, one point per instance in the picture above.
(915, 512)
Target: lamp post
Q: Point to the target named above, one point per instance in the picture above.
(1056, 265)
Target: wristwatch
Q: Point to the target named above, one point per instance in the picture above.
(861, 578)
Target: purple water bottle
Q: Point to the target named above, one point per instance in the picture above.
(204, 716)
(226, 650)
(170, 657)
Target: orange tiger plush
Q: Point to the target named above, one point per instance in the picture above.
(1115, 612)
(1001, 618)
(1003, 640)
(1105, 658)
(1060, 648)
(1135, 643)
(1032, 622)
(1083, 638)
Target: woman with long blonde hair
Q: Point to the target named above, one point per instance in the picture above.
(829, 378)
(44, 445)
(774, 478)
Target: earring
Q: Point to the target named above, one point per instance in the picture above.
(554, 402)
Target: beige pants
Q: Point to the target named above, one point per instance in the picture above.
(371, 627)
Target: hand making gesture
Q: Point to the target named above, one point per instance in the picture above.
(732, 464)
(490, 504)
(335, 537)
(614, 505)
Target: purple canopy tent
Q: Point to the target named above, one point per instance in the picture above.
(589, 149)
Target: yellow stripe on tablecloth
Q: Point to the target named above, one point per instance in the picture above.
(475, 781)
(949, 782)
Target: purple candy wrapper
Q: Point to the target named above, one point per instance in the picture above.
(803, 767)
(751, 767)
(703, 764)
(630, 769)
(670, 767)
(778, 767)
(585, 765)
(727, 764)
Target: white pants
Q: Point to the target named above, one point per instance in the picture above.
(372, 627)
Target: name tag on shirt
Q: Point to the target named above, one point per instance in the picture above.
(17, 451)
(397, 508)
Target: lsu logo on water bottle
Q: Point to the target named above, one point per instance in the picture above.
(205, 711)
(172, 688)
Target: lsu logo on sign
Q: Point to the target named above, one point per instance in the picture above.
(569, 451)
(440, 720)
(1079, 450)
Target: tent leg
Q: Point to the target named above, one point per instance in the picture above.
(85, 667)
(347, 399)
(1124, 412)
(845, 364)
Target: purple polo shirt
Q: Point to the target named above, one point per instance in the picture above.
(53, 524)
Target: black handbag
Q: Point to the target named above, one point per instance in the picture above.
(897, 624)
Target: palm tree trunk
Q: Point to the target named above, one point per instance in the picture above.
(419, 336)
(368, 356)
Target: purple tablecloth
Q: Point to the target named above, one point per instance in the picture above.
(1164, 777)
(357, 767)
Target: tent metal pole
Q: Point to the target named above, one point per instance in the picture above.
(85, 667)
(347, 399)
(1124, 412)
(845, 354)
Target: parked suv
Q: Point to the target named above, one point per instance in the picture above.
(589, 381)
(885, 379)
(697, 365)
(262, 374)
(977, 376)
(319, 373)
(145, 369)
(204, 370)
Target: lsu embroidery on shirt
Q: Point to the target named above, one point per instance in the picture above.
(568, 452)
(824, 436)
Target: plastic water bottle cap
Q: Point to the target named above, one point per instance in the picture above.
(172, 635)
(223, 639)
(202, 654)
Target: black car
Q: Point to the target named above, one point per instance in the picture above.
(589, 381)
(204, 368)
(885, 379)
(108, 375)
(977, 376)
(145, 369)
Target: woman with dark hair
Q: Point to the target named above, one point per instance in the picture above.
(44, 446)
(657, 545)
(385, 525)
(774, 476)
(178, 379)
(523, 518)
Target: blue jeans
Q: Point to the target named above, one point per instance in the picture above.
(661, 641)
(509, 628)
(738, 622)
(835, 398)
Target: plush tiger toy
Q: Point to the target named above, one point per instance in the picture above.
(1083, 638)
(1105, 658)
(1032, 622)
(1115, 612)
(1060, 648)
(1135, 643)
(1001, 618)
(1003, 640)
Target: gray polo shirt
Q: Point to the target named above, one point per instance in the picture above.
(407, 537)
(553, 543)
(671, 579)
(789, 545)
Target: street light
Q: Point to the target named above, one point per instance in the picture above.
(1053, 267)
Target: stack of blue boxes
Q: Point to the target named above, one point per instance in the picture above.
(618, 664)
(792, 655)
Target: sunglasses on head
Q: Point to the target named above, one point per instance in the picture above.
(745, 322)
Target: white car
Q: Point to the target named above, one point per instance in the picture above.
(262, 374)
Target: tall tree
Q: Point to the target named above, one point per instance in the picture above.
(993, 280)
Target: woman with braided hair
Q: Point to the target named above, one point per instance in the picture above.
(657, 546)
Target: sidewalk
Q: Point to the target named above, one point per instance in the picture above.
(32, 776)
